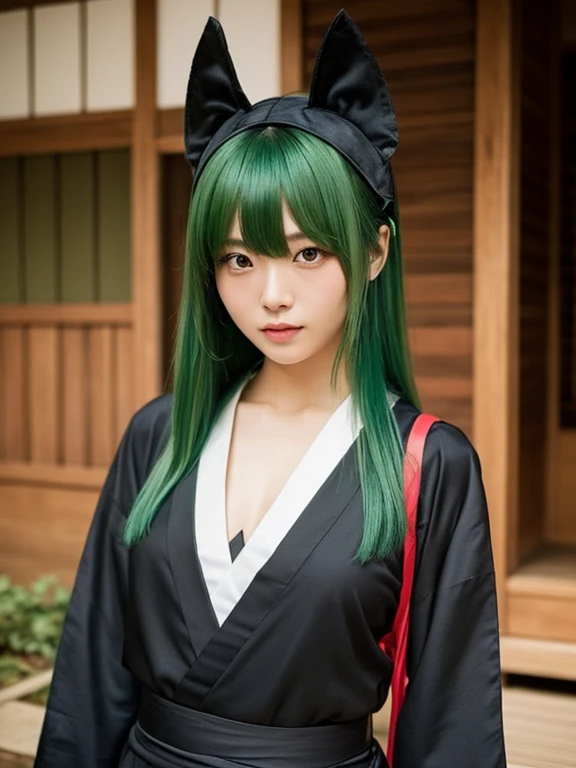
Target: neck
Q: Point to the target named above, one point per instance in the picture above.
(301, 386)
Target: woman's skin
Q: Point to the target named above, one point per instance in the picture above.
(284, 407)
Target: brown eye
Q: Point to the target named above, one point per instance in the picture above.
(242, 261)
(310, 255)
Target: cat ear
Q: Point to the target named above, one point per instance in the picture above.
(214, 93)
(347, 80)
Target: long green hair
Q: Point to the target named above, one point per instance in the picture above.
(252, 173)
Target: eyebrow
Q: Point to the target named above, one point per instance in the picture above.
(241, 244)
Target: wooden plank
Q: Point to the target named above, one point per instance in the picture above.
(29, 550)
(547, 573)
(113, 257)
(291, 46)
(124, 380)
(66, 133)
(540, 658)
(10, 220)
(552, 617)
(25, 473)
(561, 517)
(13, 402)
(44, 394)
(75, 396)
(438, 289)
(40, 231)
(66, 314)
(496, 225)
(101, 400)
(77, 227)
(146, 261)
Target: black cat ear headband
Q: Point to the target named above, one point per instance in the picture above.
(349, 106)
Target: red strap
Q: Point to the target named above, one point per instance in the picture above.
(395, 644)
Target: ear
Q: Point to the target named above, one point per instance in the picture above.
(347, 80)
(214, 93)
(379, 259)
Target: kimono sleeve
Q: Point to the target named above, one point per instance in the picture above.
(93, 697)
(452, 714)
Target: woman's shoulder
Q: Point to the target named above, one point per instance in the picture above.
(446, 443)
(450, 465)
(153, 417)
(145, 437)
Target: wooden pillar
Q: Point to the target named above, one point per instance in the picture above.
(496, 262)
(146, 271)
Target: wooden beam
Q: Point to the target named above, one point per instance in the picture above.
(291, 46)
(553, 463)
(66, 133)
(65, 314)
(146, 271)
(541, 658)
(496, 256)
(170, 131)
(52, 475)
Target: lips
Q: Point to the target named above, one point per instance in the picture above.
(279, 327)
(281, 332)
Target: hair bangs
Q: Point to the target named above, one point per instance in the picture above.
(256, 171)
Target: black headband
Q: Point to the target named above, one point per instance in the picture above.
(349, 106)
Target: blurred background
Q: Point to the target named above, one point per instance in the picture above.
(94, 192)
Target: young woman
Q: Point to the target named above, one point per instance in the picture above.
(246, 553)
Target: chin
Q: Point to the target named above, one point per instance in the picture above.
(285, 356)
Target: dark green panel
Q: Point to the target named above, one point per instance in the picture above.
(114, 216)
(77, 227)
(40, 229)
(10, 288)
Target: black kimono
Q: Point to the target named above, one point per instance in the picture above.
(286, 633)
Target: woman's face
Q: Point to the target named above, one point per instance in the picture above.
(305, 290)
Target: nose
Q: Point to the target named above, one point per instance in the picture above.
(276, 291)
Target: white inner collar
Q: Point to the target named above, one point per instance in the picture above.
(227, 580)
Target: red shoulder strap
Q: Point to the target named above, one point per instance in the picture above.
(395, 644)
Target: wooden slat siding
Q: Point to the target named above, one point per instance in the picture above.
(534, 271)
(31, 547)
(13, 401)
(426, 51)
(124, 381)
(44, 393)
(65, 133)
(75, 396)
(101, 395)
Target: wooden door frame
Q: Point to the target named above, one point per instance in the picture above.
(496, 273)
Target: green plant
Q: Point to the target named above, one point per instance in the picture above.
(31, 620)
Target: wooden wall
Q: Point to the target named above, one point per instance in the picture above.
(535, 256)
(561, 519)
(426, 51)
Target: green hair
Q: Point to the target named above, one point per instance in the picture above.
(252, 174)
